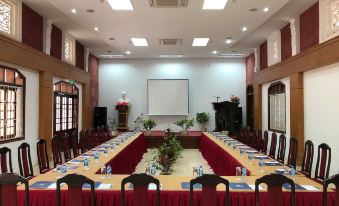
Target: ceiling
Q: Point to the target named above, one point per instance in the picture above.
(159, 23)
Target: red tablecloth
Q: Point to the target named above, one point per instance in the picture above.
(126, 161)
(222, 163)
(170, 198)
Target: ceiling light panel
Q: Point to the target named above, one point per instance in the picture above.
(124, 5)
(214, 4)
(200, 42)
(171, 56)
(139, 41)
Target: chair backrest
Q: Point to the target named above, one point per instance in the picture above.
(87, 135)
(281, 148)
(43, 160)
(75, 143)
(332, 180)
(323, 166)
(209, 193)
(56, 150)
(82, 141)
(92, 137)
(25, 160)
(274, 184)
(273, 145)
(75, 183)
(6, 160)
(8, 189)
(265, 142)
(292, 154)
(307, 163)
(108, 132)
(66, 147)
(140, 184)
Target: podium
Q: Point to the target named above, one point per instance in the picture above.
(122, 118)
(228, 116)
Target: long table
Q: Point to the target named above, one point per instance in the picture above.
(172, 194)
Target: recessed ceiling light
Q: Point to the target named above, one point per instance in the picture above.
(214, 4)
(266, 9)
(121, 4)
(139, 41)
(171, 56)
(229, 40)
(128, 52)
(96, 29)
(253, 9)
(111, 38)
(112, 56)
(215, 52)
(74, 11)
(244, 28)
(200, 41)
(90, 10)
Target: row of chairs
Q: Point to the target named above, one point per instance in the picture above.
(65, 144)
(254, 139)
(140, 184)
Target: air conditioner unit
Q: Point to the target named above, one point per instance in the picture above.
(168, 3)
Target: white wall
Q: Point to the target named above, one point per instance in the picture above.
(265, 118)
(321, 107)
(208, 78)
(31, 117)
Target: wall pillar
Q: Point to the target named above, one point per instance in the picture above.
(86, 105)
(46, 108)
(297, 112)
(257, 106)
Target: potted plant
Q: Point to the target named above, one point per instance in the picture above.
(149, 125)
(185, 125)
(202, 119)
(113, 126)
(167, 153)
(139, 121)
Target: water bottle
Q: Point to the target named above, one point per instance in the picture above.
(109, 170)
(105, 152)
(200, 171)
(153, 169)
(63, 170)
(292, 173)
(96, 157)
(103, 170)
(250, 158)
(262, 164)
(243, 172)
(242, 151)
(112, 146)
(86, 164)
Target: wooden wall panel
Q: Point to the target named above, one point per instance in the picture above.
(257, 106)
(263, 56)
(93, 69)
(286, 42)
(309, 27)
(56, 42)
(250, 63)
(79, 55)
(32, 28)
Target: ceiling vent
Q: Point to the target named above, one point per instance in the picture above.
(168, 3)
(231, 55)
(170, 42)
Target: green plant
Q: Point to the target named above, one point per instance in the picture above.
(112, 124)
(138, 121)
(149, 124)
(167, 153)
(185, 124)
(202, 118)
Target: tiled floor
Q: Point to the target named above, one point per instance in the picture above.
(183, 167)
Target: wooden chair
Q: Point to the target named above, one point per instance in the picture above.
(265, 142)
(323, 166)
(281, 148)
(8, 189)
(74, 144)
(6, 160)
(56, 151)
(292, 154)
(66, 147)
(209, 193)
(306, 167)
(82, 141)
(140, 184)
(75, 183)
(43, 160)
(332, 180)
(273, 145)
(274, 184)
(25, 160)
(108, 133)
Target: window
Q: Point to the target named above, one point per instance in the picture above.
(334, 16)
(68, 51)
(66, 106)
(7, 17)
(277, 107)
(12, 103)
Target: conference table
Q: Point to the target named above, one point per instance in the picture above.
(123, 159)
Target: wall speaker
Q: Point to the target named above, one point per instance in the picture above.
(100, 116)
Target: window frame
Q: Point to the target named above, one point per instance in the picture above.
(71, 50)
(14, 85)
(74, 95)
(275, 89)
(13, 21)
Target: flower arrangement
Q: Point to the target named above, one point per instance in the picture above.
(235, 99)
(123, 104)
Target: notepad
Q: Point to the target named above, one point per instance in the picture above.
(297, 187)
(253, 187)
(239, 186)
(186, 185)
(76, 161)
(71, 167)
(88, 155)
(273, 163)
(41, 184)
(97, 185)
(261, 157)
(310, 188)
(251, 151)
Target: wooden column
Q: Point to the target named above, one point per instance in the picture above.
(46, 108)
(257, 106)
(297, 111)
(86, 106)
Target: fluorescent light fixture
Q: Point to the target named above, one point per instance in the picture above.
(96, 29)
(266, 9)
(128, 52)
(112, 56)
(125, 5)
(139, 41)
(200, 41)
(74, 11)
(244, 28)
(171, 56)
(214, 4)
(231, 55)
(229, 40)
